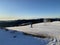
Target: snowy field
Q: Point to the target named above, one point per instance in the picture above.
(49, 29)
(15, 36)
(12, 37)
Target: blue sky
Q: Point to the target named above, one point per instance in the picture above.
(25, 9)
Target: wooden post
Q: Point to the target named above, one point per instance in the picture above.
(31, 25)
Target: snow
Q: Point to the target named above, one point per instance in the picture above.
(15, 36)
(50, 28)
(7, 38)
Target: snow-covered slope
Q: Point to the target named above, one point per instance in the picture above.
(12, 37)
(51, 28)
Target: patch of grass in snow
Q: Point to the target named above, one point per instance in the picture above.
(6, 30)
(36, 35)
(14, 36)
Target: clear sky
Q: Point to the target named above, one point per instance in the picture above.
(25, 9)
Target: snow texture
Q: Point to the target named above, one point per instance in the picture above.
(13, 37)
(49, 29)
